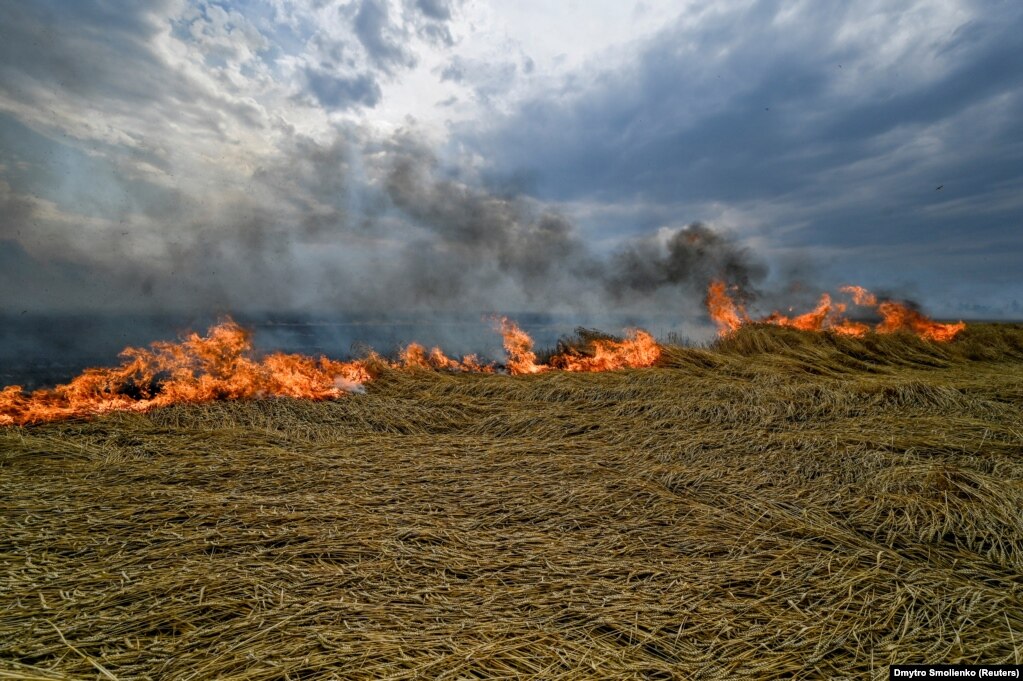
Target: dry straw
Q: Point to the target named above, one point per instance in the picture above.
(778, 506)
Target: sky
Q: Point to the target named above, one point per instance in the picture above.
(439, 155)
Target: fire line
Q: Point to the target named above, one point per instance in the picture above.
(222, 365)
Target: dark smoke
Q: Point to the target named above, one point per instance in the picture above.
(482, 247)
(691, 258)
(344, 241)
(476, 241)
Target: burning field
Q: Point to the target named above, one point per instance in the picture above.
(785, 503)
(223, 365)
(289, 387)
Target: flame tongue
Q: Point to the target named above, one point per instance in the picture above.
(725, 312)
(519, 347)
(416, 356)
(897, 316)
(220, 365)
(638, 350)
(860, 295)
(814, 320)
(828, 316)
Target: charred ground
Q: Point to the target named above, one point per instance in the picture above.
(780, 504)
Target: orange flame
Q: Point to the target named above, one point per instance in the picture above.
(638, 350)
(897, 317)
(860, 295)
(725, 312)
(828, 316)
(814, 320)
(519, 347)
(415, 356)
(220, 365)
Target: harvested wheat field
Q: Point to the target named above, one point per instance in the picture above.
(781, 505)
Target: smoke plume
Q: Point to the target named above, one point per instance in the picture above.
(347, 227)
(504, 251)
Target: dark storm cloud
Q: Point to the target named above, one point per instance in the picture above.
(755, 123)
(431, 19)
(104, 51)
(381, 39)
(339, 92)
(124, 206)
(47, 41)
(785, 117)
(16, 213)
(31, 283)
(777, 118)
(435, 9)
(454, 72)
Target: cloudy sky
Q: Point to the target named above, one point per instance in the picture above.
(470, 154)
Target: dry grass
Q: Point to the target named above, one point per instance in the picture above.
(779, 506)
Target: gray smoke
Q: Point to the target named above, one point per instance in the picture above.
(477, 245)
(503, 251)
(689, 259)
(348, 228)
